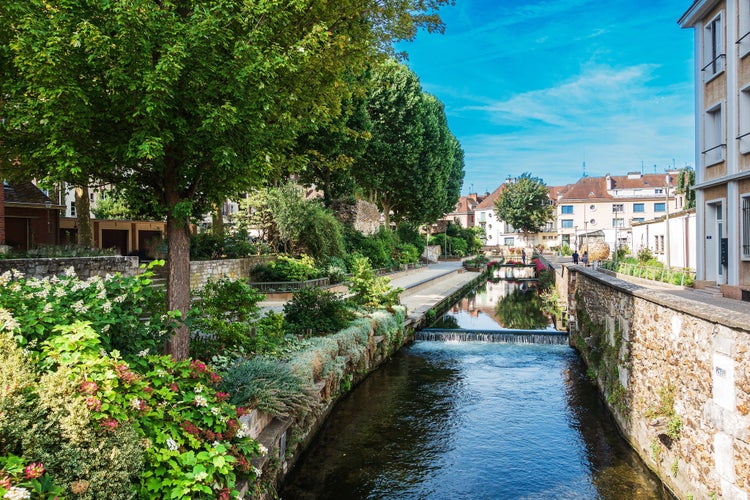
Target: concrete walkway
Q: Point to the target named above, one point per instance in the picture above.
(737, 310)
(423, 288)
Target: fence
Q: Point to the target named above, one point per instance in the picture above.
(283, 286)
(675, 276)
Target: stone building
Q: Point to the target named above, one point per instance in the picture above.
(722, 140)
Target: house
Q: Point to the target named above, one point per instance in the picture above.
(463, 213)
(29, 217)
(604, 208)
(676, 249)
(722, 140)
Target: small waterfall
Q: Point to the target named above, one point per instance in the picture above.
(548, 337)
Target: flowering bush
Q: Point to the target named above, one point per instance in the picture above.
(113, 426)
(20, 480)
(113, 305)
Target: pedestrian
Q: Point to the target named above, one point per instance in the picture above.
(585, 258)
(523, 255)
(575, 256)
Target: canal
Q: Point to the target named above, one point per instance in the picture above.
(473, 420)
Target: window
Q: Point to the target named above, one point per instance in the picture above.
(660, 207)
(713, 49)
(566, 223)
(744, 25)
(744, 122)
(618, 208)
(745, 225)
(618, 222)
(509, 242)
(566, 209)
(72, 208)
(658, 191)
(713, 136)
(639, 207)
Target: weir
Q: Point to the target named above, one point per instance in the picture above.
(547, 337)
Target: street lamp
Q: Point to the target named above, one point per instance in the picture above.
(47, 205)
(667, 179)
(575, 236)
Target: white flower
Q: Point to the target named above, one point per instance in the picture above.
(60, 292)
(198, 389)
(215, 444)
(17, 493)
(135, 404)
(47, 308)
(102, 352)
(120, 299)
(7, 321)
(200, 401)
(172, 444)
(5, 278)
(262, 449)
(215, 410)
(257, 471)
(243, 431)
(143, 353)
(70, 272)
(79, 307)
(105, 328)
(160, 373)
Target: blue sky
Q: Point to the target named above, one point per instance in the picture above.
(541, 86)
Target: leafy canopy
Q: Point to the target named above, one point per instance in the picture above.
(525, 204)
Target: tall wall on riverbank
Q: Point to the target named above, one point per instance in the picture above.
(676, 375)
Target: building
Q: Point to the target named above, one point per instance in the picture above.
(29, 217)
(722, 140)
(463, 214)
(604, 208)
(676, 249)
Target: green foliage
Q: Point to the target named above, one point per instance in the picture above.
(114, 305)
(406, 253)
(525, 204)
(521, 310)
(224, 317)
(286, 268)
(665, 408)
(335, 269)
(209, 246)
(115, 206)
(685, 182)
(270, 386)
(645, 255)
(313, 311)
(368, 290)
(19, 479)
(408, 233)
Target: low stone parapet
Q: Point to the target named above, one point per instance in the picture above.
(84, 267)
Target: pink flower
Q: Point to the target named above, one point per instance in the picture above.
(197, 368)
(215, 379)
(34, 470)
(88, 387)
(5, 482)
(222, 396)
(93, 403)
(110, 424)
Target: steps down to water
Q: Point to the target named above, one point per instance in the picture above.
(548, 337)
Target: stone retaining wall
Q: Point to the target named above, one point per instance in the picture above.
(675, 373)
(203, 270)
(85, 267)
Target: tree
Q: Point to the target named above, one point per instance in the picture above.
(525, 204)
(685, 182)
(182, 103)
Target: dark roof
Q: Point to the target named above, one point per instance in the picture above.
(26, 193)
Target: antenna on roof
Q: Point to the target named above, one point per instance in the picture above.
(642, 167)
(654, 167)
(584, 168)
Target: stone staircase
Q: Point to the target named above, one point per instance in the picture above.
(712, 291)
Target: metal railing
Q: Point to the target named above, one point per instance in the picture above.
(283, 286)
(676, 276)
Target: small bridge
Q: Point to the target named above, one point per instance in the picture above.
(500, 336)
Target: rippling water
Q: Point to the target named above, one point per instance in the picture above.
(475, 421)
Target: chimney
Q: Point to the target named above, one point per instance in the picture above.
(609, 182)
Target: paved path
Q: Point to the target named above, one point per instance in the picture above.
(736, 309)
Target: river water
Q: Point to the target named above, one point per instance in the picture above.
(469, 420)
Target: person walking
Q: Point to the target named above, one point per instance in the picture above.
(575, 256)
(585, 258)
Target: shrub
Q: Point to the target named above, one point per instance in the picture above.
(270, 386)
(315, 311)
(208, 246)
(113, 305)
(286, 268)
(224, 318)
(406, 253)
(645, 255)
(411, 235)
(370, 291)
(335, 269)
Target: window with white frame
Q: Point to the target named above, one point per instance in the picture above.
(617, 208)
(618, 222)
(639, 207)
(509, 242)
(713, 48)
(566, 223)
(744, 122)
(713, 136)
(566, 209)
(743, 43)
(745, 226)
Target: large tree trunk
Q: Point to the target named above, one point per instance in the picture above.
(217, 221)
(85, 236)
(178, 283)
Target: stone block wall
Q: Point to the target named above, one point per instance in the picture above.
(203, 270)
(675, 373)
(84, 267)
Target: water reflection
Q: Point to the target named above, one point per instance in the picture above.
(495, 306)
(473, 420)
